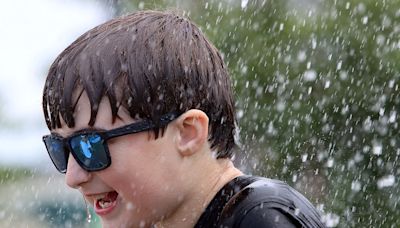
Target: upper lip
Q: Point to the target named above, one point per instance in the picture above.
(95, 196)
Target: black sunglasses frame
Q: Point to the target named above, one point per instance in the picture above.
(142, 125)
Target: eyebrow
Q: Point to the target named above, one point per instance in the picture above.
(81, 131)
(88, 130)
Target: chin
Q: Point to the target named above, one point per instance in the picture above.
(124, 224)
(116, 224)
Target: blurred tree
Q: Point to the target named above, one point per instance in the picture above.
(317, 86)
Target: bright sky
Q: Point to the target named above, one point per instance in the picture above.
(32, 34)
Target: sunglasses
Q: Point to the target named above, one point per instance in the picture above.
(89, 148)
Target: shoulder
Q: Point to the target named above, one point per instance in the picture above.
(266, 202)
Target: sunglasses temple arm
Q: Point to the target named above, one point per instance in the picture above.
(140, 126)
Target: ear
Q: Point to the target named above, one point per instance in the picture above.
(193, 131)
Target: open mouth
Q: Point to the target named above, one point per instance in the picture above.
(105, 203)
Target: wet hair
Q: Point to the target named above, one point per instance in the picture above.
(150, 63)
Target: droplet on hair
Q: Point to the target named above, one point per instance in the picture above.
(124, 67)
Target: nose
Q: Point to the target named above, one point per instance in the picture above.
(76, 176)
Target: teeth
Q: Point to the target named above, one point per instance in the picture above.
(104, 204)
(99, 197)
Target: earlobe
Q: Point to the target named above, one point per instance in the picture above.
(193, 132)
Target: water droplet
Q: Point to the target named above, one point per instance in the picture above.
(297, 211)
(364, 20)
(377, 149)
(88, 215)
(386, 181)
(310, 75)
(244, 3)
(339, 65)
(355, 186)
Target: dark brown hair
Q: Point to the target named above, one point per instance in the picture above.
(150, 63)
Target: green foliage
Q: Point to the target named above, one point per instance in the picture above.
(317, 87)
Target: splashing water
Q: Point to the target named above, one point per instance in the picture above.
(88, 215)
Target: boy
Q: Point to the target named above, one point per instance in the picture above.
(143, 104)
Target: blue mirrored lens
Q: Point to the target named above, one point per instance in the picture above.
(57, 153)
(90, 150)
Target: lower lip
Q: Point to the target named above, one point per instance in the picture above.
(105, 211)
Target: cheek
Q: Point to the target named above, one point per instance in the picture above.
(140, 176)
(145, 197)
(145, 174)
(141, 166)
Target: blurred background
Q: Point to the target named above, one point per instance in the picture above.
(317, 89)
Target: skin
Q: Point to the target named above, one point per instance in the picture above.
(166, 182)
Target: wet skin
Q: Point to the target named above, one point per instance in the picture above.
(166, 181)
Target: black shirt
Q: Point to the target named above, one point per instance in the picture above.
(249, 201)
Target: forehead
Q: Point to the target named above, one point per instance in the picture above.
(104, 119)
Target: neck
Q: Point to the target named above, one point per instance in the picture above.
(201, 194)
